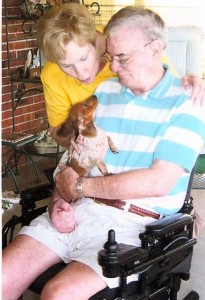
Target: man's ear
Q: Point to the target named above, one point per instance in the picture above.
(157, 48)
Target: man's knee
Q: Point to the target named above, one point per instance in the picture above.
(10, 288)
(55, 290)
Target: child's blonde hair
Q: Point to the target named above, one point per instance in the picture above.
(59, 25)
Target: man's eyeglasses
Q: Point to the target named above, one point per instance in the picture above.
(123, 62)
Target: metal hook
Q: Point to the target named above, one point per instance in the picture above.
(98, 7)
(93, 3)
(40, 7)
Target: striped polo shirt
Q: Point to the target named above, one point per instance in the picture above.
(161, 124)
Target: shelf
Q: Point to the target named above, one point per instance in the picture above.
(19, 27)
(16, 140)
(25, 80)
(22, 91)
(18, 18)
(26, 37)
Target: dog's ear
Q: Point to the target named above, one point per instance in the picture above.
(66, 129)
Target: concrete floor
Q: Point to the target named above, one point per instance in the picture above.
(196, 281)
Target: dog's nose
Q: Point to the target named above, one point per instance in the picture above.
(95, 99)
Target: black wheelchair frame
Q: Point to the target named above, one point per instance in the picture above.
(162, 260)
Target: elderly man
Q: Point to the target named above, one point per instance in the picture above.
(158, 133)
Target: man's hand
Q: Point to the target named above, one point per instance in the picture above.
(66, 181)
(61, 213)
(198, 84)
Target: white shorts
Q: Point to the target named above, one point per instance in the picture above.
(93, 221)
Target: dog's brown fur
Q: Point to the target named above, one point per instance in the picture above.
(92, 141)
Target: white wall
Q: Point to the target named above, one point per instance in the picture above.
(182, 13)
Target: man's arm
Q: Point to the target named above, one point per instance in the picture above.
(155, 181)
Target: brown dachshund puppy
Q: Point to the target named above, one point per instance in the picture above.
(92, 145)
(92, 142)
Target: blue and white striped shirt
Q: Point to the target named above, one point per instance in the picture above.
(161, 124)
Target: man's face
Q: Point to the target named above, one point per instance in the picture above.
(130, 55)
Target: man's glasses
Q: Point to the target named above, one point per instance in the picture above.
(123, 62)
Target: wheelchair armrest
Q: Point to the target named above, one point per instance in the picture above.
(115, 255)
(168, 224)
(30, 196)
(9, 228)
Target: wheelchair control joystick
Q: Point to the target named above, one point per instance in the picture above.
(111, 245)
(108, 257)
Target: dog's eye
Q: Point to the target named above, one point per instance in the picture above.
(85, 105)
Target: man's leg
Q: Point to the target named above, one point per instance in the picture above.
(76, 281)
(23, 260)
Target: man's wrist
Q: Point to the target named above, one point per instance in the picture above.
(79, 187)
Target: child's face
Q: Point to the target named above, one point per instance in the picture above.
(80, 62)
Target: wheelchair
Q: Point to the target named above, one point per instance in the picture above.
(162, 261)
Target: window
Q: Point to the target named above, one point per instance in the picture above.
(181, 13)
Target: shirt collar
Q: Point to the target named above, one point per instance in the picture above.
(159, 90)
